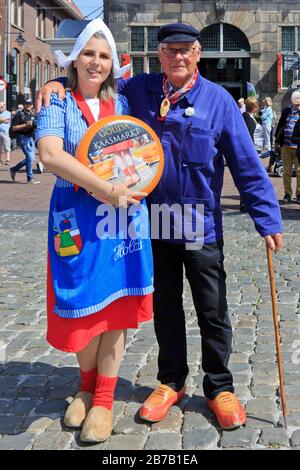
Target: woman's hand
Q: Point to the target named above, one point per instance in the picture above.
(121, 195)
(44, 94)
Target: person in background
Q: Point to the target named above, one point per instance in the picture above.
(267, 119)
(23, 126)
(241, 104)
(20, 107)
(5, 121)
(251, 104)
(283, 138)
(296, 140)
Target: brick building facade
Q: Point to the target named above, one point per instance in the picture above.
(242, 41)
(30, 65)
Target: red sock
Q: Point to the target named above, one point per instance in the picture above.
(88, 380)
(104, 391)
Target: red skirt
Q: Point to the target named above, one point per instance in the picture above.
(73, 335)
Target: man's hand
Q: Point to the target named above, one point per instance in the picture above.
(274, 242)
(44, 94)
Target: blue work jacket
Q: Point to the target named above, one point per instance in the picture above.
(194, 143)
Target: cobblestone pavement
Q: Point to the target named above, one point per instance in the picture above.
(37, 382)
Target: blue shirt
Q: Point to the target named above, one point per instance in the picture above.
(51, 120)
(4, 126)
(267, 116)
(194, 146)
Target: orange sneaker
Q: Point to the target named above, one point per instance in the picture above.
(158, 404)
(228, 411)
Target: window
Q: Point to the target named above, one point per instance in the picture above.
(288, 38)
(154, 65)
(47, 72)
(27, 70)
(40, 22)
(290, 43)
(137, 65)
(14, 67)
(17, 13)
(38, 73)
(54, 26)
(152, 38)
(144, 49)
(223, 37)
(211, 38)
(55, 70)
(137, 39)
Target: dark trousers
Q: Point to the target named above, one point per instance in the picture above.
(205, 273)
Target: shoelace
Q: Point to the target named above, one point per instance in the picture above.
(160, 392)
(227, 402)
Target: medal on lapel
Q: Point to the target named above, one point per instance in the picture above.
(164, 107)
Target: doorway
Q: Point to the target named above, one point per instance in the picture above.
(229, 72)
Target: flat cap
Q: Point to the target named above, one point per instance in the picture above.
(177, 32)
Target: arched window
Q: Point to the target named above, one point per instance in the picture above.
(47, 69)
(38, 73)
(27, 70)
(223, 37)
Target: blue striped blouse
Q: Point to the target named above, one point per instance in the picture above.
(65, 120)
(289, 128)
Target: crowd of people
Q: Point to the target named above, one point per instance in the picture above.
(282, 137)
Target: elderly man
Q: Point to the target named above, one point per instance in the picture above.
(198, 122)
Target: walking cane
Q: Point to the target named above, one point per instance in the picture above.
(275, 319)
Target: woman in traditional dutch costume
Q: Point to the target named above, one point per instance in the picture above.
(97, 288)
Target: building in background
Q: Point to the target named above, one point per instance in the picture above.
(26, 67)
(242, 41)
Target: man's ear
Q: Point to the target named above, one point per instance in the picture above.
(199, 56)
(74, 63)
(159, 54)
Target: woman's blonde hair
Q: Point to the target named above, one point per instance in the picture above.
(251, 103)
(107, 89)
(268, 101)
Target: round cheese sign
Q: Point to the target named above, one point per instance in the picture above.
(123, 149)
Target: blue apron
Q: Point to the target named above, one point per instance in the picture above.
(89, 272)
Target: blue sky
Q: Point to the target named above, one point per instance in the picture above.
(88, 6)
